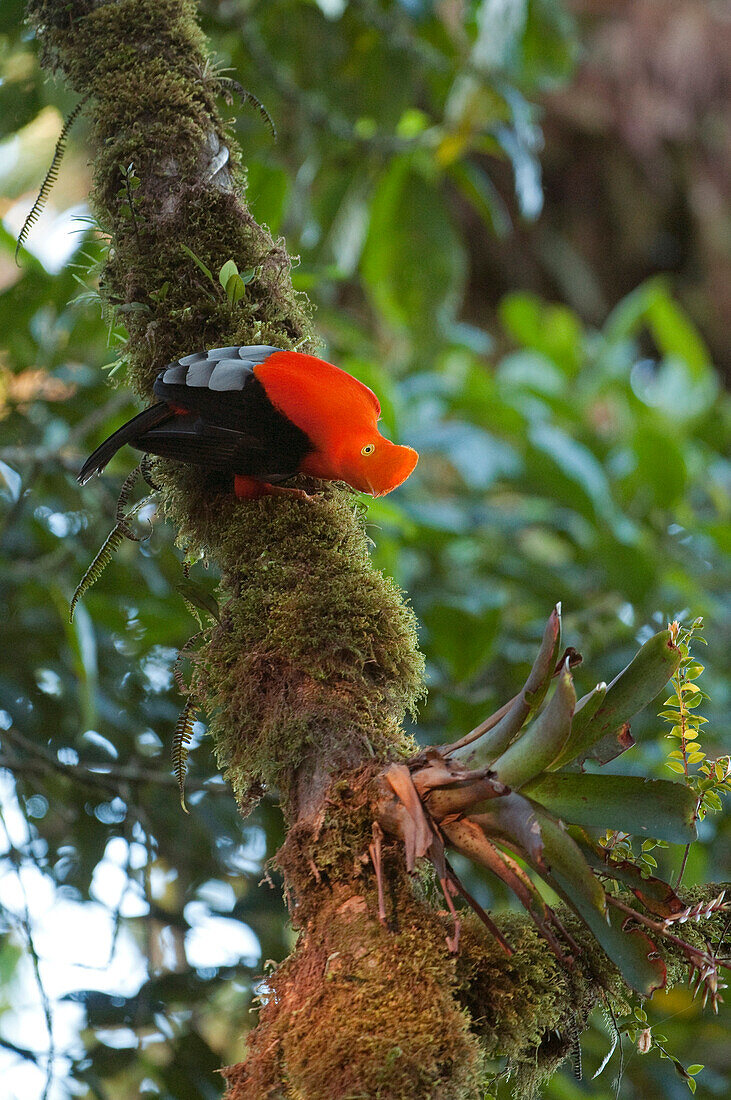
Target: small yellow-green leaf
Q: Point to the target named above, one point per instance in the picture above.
(235, 289)
(227, 271)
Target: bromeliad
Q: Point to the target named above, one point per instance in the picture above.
(263, 415)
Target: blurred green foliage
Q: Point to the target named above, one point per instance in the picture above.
(558, 461)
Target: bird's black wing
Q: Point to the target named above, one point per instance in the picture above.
(128, 433)
(213, 412)
(232, 425)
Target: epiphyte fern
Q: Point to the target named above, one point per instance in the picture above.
(182, 735)
(51, 176)
(228, 84)
(185, 653)
(113, 541)
(103, 557)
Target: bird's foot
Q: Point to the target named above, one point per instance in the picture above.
(250, 488)
(298, 494)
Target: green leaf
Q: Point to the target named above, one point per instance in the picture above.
(228, 270)
(198, 596)
(673, 331)
(552, 330)
(479, 190)
(413, 262)
(584, 474)
(542, 742)
(572, 878)
(643, 807)
(235, 289)
(630, 691)
(199, 263)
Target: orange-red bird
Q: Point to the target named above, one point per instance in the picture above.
(263, 415)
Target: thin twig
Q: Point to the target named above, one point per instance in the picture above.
(25, 924)
(38, 761)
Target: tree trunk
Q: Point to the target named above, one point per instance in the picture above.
(315, 662)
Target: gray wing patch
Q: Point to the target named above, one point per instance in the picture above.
(256, 353)
(222, 353)
(199, 374)
(196, 357)
(219, 368)
(229, 374)
(175, 375)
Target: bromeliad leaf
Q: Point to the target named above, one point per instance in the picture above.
(502, 732)
(657, 896)
(571, 877)
(544, 739)
(634, 687)
(644, 807)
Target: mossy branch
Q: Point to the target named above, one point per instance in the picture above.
(314, 663)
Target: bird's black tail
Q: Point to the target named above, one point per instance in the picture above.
(128, 433)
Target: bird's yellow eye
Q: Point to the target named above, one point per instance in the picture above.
(368, 449)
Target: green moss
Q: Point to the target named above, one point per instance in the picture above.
(155, 109)
(360, 1010)
(531, 1009)
(528, 1007)
(316, 658)
(316, 654)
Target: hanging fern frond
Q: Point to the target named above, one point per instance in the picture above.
(146, 471)
(123, 518)
(123, 500)
(576, 1059)
(227, 84)
(108, 548)
(51, 176)
(182, 735)
(614, 1035)
(111, 544)
(184, 652)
